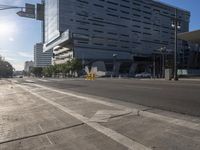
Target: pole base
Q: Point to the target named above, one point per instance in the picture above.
(175, 78)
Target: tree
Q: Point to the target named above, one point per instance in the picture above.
(48, 71)
(66, 68)
(76, 66)
(6, 69)
(37, 71)
(73, 66)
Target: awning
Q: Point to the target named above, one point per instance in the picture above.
(193, 36)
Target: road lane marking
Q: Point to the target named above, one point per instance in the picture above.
(121, 107)
(42, 80)
(179, 122)
(123, 140)
(145, 87)
(30, 81)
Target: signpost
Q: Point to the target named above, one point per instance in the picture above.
(29, 11)
(40, 12)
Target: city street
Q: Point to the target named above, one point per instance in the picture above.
(60, 114)
(99, 75)
(182, 96)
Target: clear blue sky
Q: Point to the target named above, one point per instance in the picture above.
(17, 44)
(193, 6)
(18, 35)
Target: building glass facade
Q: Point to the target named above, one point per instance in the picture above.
(51, 20)
(42, 59)
(100, 28)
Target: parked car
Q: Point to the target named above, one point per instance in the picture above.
(143, 75)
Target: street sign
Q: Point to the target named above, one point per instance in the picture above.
(24, 14)
(30, 8)
(29, 11)
(40, 12)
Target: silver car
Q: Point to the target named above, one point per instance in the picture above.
(143, 75)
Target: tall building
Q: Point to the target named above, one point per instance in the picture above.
(28, 65)
(190, 55)
(42, 59)
(125, 32)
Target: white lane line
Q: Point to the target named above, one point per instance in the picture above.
(88, 99)
(179, 122)
(125, 141)
(146, 87)
(142, 87)
(42, 80)
(30, 81)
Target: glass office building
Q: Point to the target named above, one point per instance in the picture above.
(103, 30)
(42, 59)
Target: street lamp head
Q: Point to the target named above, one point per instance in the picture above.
(173, 23)
(115, 55)
(178, 25)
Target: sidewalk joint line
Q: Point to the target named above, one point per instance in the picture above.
(40, 134)
(115, 136)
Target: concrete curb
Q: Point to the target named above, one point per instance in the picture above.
(143, 113)
(179, 122)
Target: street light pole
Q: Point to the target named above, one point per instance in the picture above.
(162, 51)
(175, 50)
(176, 26)
(163, 65)
(114, 64)
(154, 66)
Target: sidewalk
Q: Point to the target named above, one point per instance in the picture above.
(190, 79)
(38, 117)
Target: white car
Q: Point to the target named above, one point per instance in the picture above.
(143, 75)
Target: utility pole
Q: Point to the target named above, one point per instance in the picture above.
(176, 26)
(154, 66)
(163, 65)
(114, 64)
(175, 50)
(162, 51)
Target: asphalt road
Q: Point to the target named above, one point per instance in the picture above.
(181, 97)
(37, 117)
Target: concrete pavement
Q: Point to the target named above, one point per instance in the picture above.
(181, 97)
(36, 116)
